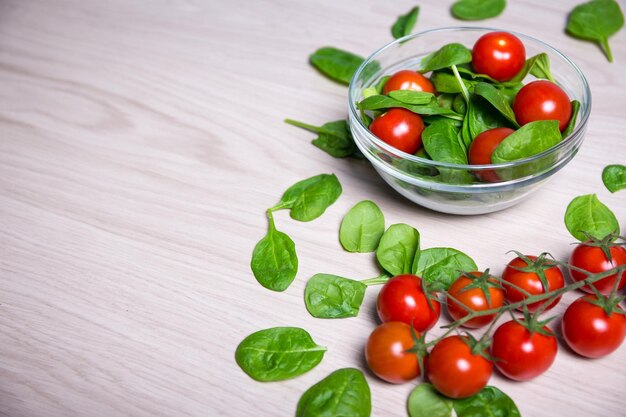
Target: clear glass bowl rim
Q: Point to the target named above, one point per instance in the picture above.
(585, 111)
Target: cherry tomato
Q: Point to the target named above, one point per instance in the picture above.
(589, 331)
(400, 128)
(593, 259)
(483, 146)
(542, 100)
(530, 282)
(520, 355)
(455, 371)
(499, 55)
(386, 353)
(473, 298)
(408, 80)
(403, 299)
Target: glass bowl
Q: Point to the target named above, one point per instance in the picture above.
(451, 188)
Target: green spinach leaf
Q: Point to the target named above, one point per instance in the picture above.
(597, 21)
(490, 401)
(443, 265)
(362, 227)
(334, 138)
(313, 200)
(381, 102)
(538, 65)
(572, 121)
(477, 9)
(530, 139)
(441, 143)
(293, 193)
(446, 56)
(278, 353)
(587, 214)
(447, 83)
(398, 248)
(614, 177)
(345, 392)
(411, 97)
(425, 401)
(497, 100)
(331, 296)
(405, 23)
(336, 64)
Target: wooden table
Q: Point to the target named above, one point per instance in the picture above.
(140, 143)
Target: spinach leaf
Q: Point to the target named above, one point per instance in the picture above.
(586, 214)
(405, 23)
(459, 105)
(497, 100)
(274, 261)
(425, 401)
(362, 227)
(441, 143)
(336, 64)
(572, 121)
(530, 139)
(397, 249)
(314, 199)
(490, 401)
(334, 138)
(293, 193)
(447, 83)
(345, 392)
(411, 97)
(446, 56)
(477, 9)
(614, 177)
(381, 102)
(278, 353)
(330, 296)
(538, 65)
(443, 265)
(480, 117)
(446, 100)
(597, 21)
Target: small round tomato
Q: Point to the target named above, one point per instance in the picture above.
(386, 353)
(542, 100)
(400, 128)
(402, 298)
(589, 331)
(455, 371)
(408, 80)
(592, 259)
(520, 355)
(500, 55)
(530, 282)
(483, 146)
(471, 293)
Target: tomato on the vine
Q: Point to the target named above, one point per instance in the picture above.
(408, 80)
(387, 355)
(399, 128)
(593, 259)
(521, 354)
(526, 275)
(589, 330)
(455, 370)
(471, 290)
(500, 55)
(402, 298)
(542, 100)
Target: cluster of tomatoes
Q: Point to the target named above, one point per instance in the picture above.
(501, 56)
(459, 366)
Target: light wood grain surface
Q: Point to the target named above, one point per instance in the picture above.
(140, 143)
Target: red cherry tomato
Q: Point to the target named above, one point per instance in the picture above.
(589, 331)
(593, 259)
(542, 100)
(530, 282)
(499, 55)
(400, 128)
(473, 298)
(403, 299)
(520, 355)
(386, 353)
(483, 146)
(455, 371)
(408, 80)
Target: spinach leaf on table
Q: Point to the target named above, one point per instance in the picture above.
(344, 392)
(398, 248)
(614, 177)
(336, 64)
(309, 198)
(490, 401)
(405, 23)
(597, 21)
(278, 353)
(362, 227)
(572, 121)
(587, 215)
(477, 9)
(531, 139)
(334, 138)
(445, 57)
(441, 143)
(331, 296)
(498, 100)
(425, 401)
(443, 265)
